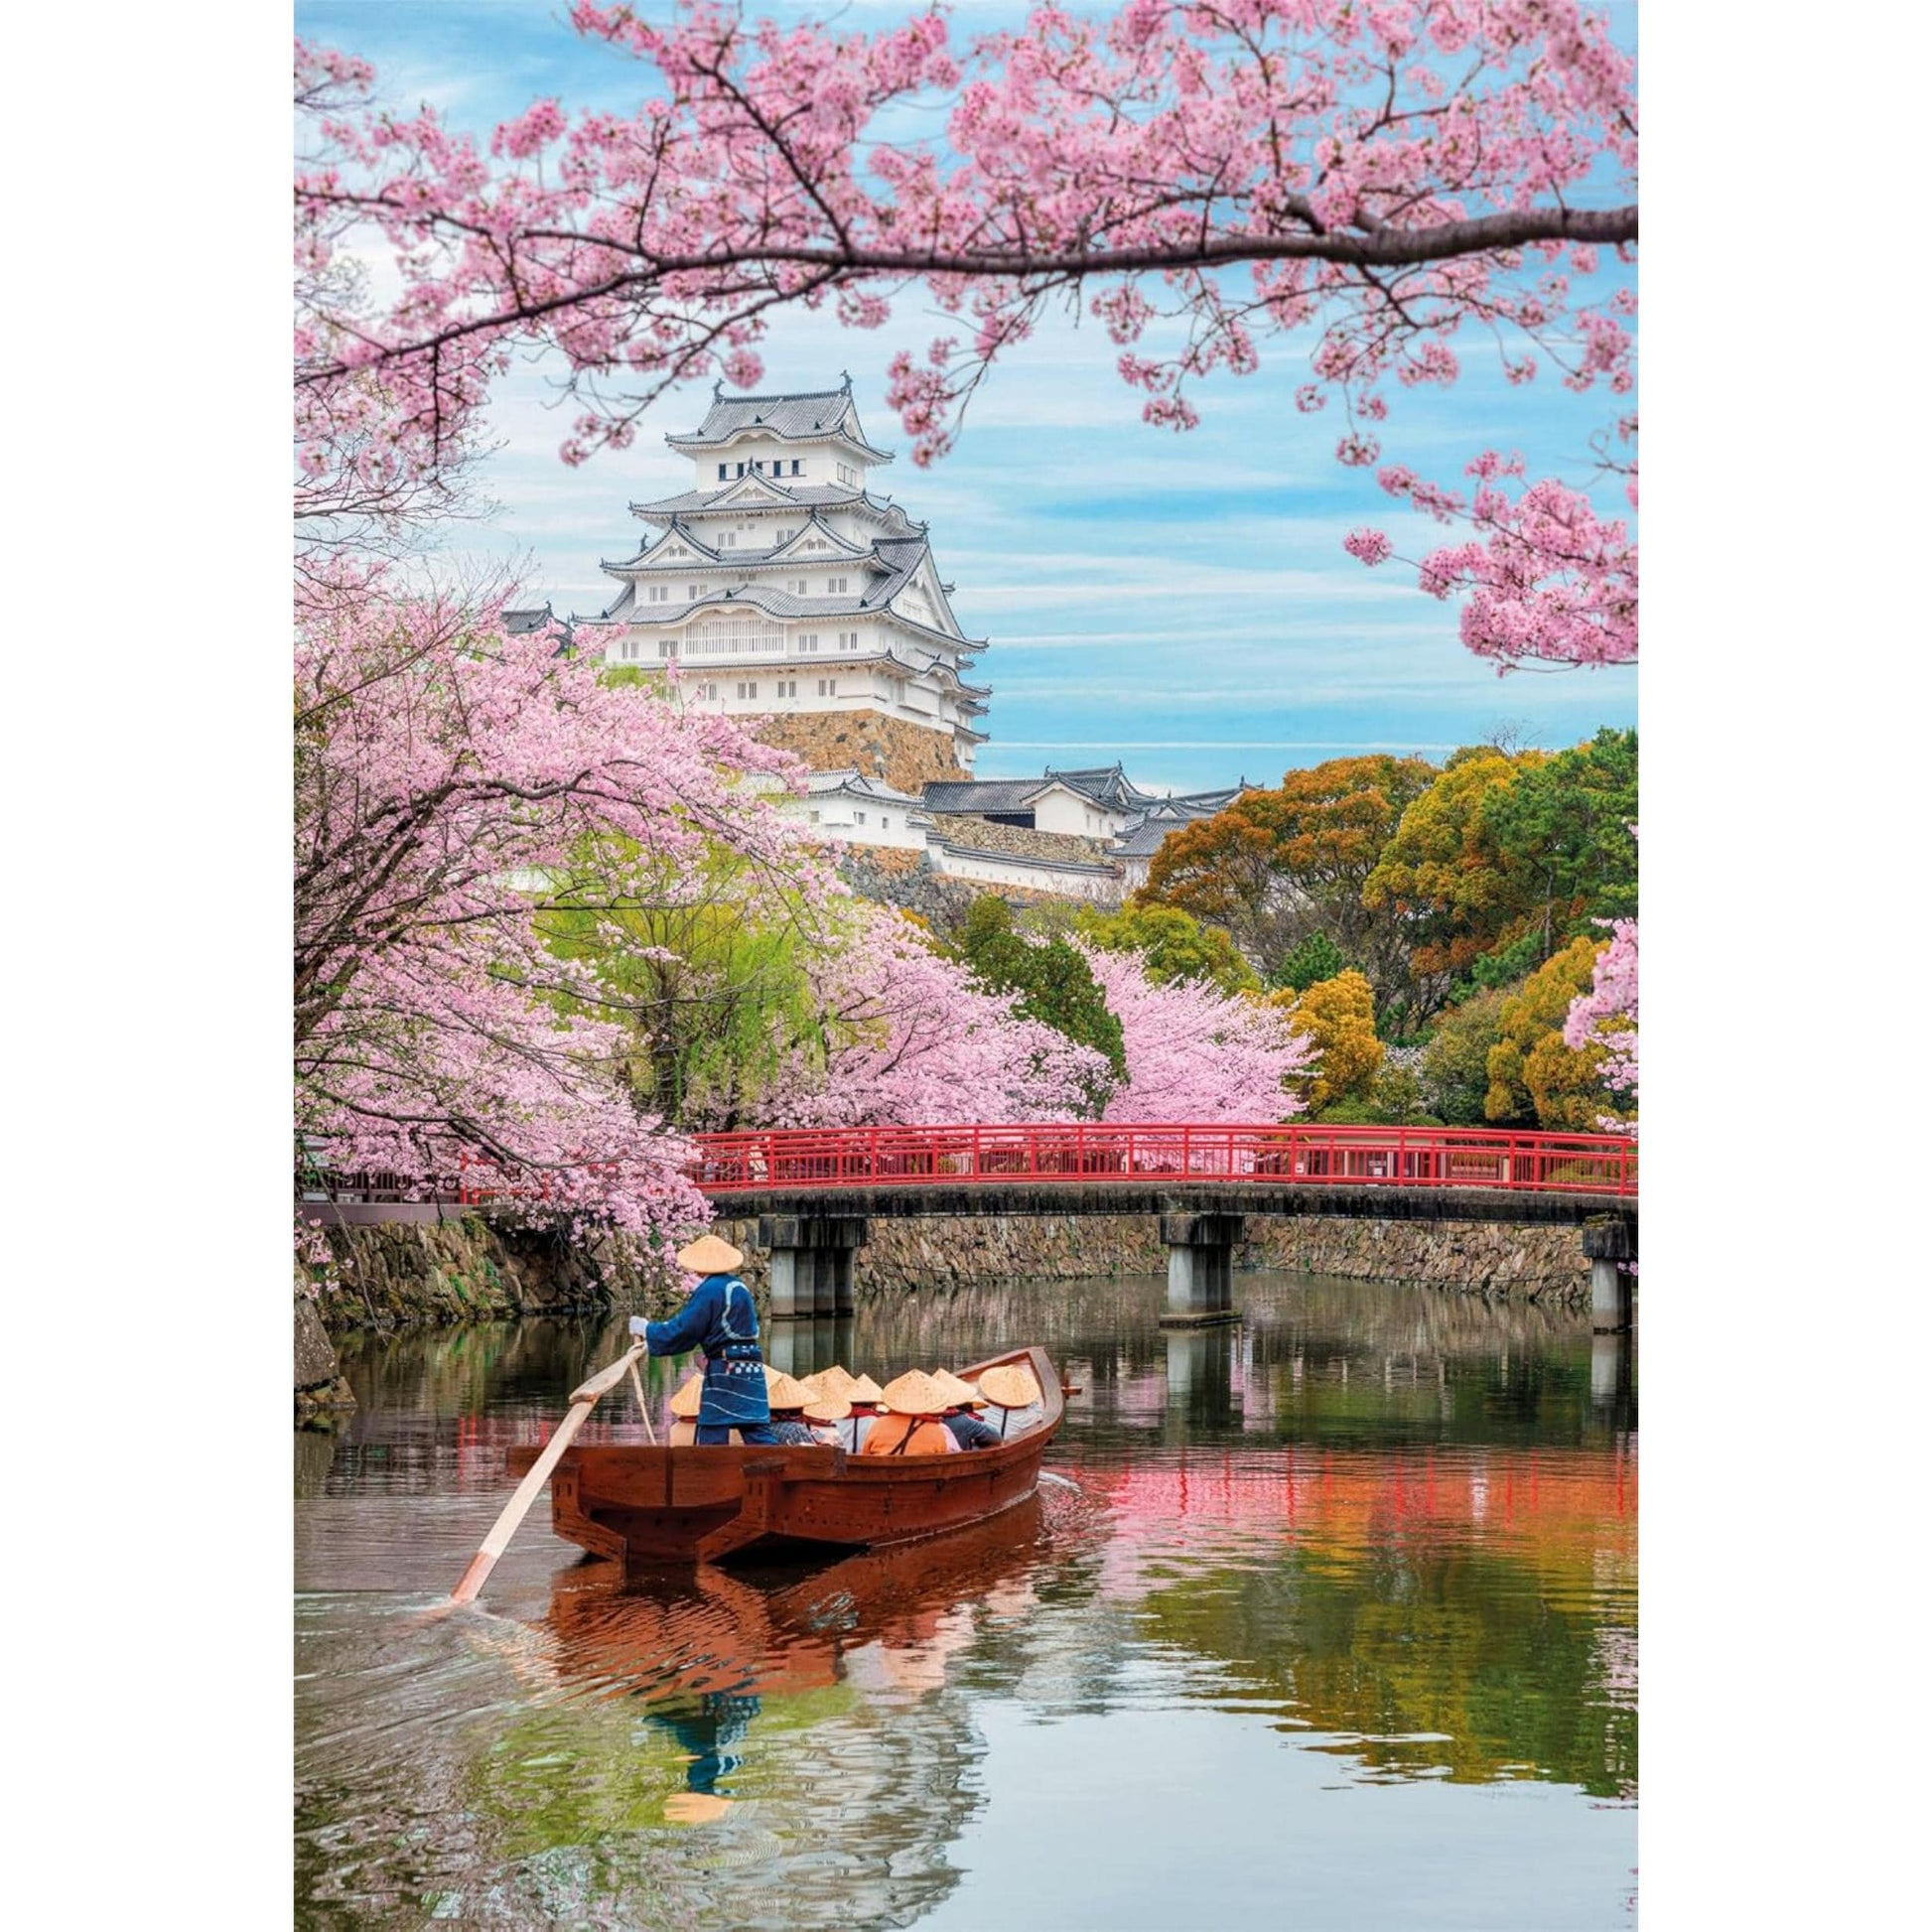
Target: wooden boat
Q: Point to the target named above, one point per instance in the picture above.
(639, 1504)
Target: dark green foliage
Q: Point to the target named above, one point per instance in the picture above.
(1173, 945)
(1563, 831)
(1055, 985)
(1316, 958)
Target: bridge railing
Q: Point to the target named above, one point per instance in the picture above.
(1391, 1156)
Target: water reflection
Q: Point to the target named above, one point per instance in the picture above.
(1393, 1533)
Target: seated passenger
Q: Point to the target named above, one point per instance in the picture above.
(968, 1431)
(787, 1398)
(1013, 1389)
(910, 1426)
(823, 1414)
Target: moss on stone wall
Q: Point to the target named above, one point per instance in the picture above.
(410, 1273)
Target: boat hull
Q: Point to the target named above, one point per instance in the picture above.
(639, 1504)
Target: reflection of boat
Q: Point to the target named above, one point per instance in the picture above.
(642, 1505)
(667, 1636)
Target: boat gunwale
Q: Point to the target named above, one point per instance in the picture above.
(824, 1462)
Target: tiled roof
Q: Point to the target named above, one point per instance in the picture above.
(795, 418)
(818, 783)
(978, 795)
(1146, 838)
(794, 496)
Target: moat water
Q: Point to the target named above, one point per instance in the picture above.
(1326, 1620)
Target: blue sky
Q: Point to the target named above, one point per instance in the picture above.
(1180, 602)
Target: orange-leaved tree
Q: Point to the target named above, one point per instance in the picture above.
(1532, 1074)
(1279, 865)
(1339, 1015)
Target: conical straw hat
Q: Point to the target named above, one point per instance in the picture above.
(1013, 1385)
(915, 1392)
(828, 1408)
(865, 1390)
(957, 1389)
(685, 1403)
(784, 1391)
(709, 1254)
(833, 1381)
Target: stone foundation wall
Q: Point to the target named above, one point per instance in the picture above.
(905, 755)
(1470, 1256)
(947, 1252)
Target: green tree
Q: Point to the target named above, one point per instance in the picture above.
(1055, 985)
(1173, 945)
(1318, 957)
(1456, 1060)
(707, 966)
(1564, 833)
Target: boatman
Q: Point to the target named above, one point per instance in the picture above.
(718, 1317)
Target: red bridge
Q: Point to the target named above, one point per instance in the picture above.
(814, 1191)
(814, 1161)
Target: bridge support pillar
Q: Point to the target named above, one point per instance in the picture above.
(813, 1259)
(1201, 1268)
(1609, 1245)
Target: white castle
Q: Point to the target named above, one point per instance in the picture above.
(780, 585)
(782, 590)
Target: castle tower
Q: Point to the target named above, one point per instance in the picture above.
(786, 590)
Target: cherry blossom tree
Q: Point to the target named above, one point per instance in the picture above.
(1196, 1053)
(905, 1037)
(1606, 1016)
(447, 775)
(1388, 180)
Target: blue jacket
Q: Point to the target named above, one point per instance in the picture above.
(718, 1317)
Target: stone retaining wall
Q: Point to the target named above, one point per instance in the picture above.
(408, 1275)
(947, 1252)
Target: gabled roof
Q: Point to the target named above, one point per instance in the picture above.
(1105, 784)
(819, 783)
(809, 415)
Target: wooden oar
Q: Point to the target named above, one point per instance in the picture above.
(582, 1401)
(643, 1406)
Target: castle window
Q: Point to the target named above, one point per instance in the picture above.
(667, 647)
(740, 469)
(749, 690)
(659, 593)
(691, 593)
(848, 640)
(828, 687)
(797, 587)
(724, 471)
(808, 640)
(835, 586)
